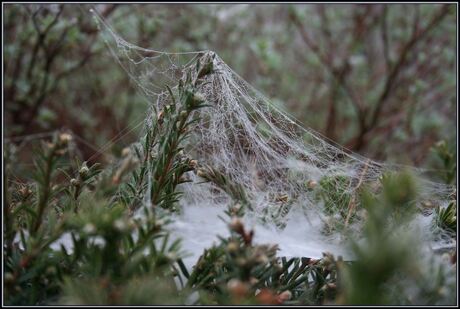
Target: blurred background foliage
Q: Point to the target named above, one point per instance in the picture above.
(379, 79)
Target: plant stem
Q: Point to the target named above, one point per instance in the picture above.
(46, 190)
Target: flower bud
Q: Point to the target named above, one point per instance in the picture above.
(237, 288)
(183, 115)
(120, 225)
(125, 152)
(267, 297)
(253, 281)
(160, 117)
(171, 256)
(65, 138)
(74, 182)
(89, 228)
(232, 247)
(236, 225)
(25, 192)
(262, 259)
(159, 223)
(49, 145)
(442, 291)
(283, 296)
(193, 163)
(453, 258)
(84, 170)
(9, 278)
(241, 262)
(50, 271)
(440, 144)
(60, 152)
(311, 184)
(198, 98)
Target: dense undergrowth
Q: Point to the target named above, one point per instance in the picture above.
(121, 253)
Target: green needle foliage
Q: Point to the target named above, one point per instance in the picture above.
(446, 159)
(236, 271)
(383, 253)
(334, 193)
(336, 198)
(234, 190)
(45, 164)
(446, 218)
(163, 164)
(387, 269)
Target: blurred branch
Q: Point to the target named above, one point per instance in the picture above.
(399, 65)
(40, 86)
(416, 23)
(332, 113)
(16, 73)
(41, 37)
(393, 69)
(338, 74)
(109, 9)
(384, 31)
(49, 57)
(390, 80)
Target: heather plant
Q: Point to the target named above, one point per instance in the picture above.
(445, 161)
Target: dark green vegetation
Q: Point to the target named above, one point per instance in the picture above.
(117, 258)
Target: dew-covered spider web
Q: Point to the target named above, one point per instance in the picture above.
(302, 187)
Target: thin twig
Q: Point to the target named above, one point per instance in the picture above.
(385, 40)
(391, 78)
(336, 73)
(352, 204)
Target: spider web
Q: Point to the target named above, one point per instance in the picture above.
(300, 184)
